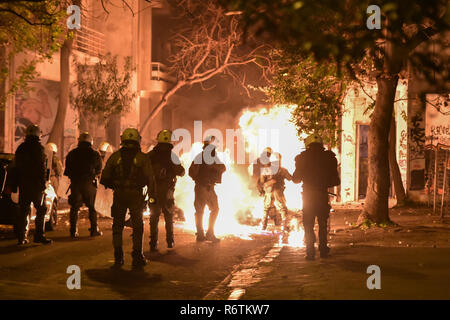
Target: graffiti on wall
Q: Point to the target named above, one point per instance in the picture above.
(347, 172)
(39, 107)
(403, 155)
(33, 109)
(437, 129)
(417, 153)
(348, 138)
(417, 134)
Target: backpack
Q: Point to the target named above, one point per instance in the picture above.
(135, 176)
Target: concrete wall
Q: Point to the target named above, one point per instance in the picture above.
(421, 84)
(418, 157)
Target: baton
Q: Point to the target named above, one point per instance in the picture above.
(332, 194)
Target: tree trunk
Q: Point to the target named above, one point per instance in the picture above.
(376, 205)
(3, 62)
(57, 132)
(395, 170)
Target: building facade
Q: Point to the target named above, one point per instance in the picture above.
(357, 107)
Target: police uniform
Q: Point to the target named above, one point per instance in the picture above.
(57, 171)
(206, 170)
(57, 168)
(127, 172)
(317, 168)
(83, 165)
(166, 166)
(272, 181)
(30, 170)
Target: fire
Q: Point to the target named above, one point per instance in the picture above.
(234, 197)
(235, 194)
(296, 235)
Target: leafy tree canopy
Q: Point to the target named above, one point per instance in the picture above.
(103, 88)
(36, 27)
(316, 89)
(337, 30)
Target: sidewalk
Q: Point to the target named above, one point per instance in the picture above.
(414, 259)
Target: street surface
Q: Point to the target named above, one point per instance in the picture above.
(235, 268)
(190, 271)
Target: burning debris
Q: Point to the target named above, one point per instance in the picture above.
(241, 209)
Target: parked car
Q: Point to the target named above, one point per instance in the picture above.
(9, 207)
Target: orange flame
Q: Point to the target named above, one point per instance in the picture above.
(234, 193)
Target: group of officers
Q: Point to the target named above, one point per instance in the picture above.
(139, 179)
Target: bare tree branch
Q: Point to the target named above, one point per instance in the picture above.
(129, 7)
(104, 7)
(25, 19)
(422, 36)
(208, 42)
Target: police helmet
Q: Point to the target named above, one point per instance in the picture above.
(313, 138)
(267, 151)
(165, 136)
(130, 134)
(105, 147)
(52, 146)
(85, 137)
(33, 130)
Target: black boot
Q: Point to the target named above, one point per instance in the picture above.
(95, 232)
(73, 219)
(74, 233)
(211, 237)
(265, 220)
(324, 252)
(212, 221)
(40, 238)
(170, 241)
(22, 238)
(118, 257)
(153, 246)
(139, 260)
(199, 225)
(200, 236)
(22, 241)
(39, 233)
(310, 253)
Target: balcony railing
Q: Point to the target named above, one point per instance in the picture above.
(160, 72)
(89, 41)
(156, 3)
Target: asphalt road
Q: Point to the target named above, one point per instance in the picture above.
(191, 271)
(414, 260)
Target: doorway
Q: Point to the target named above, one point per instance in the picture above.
(362, 160)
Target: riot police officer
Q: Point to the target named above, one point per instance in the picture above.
(127, 172)
(83, 165)
(31, 174)
(262, 162)
(166, 166)
(272, 183)
(206, 170)
(317, 168)
(57, 168)
(104, 148)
